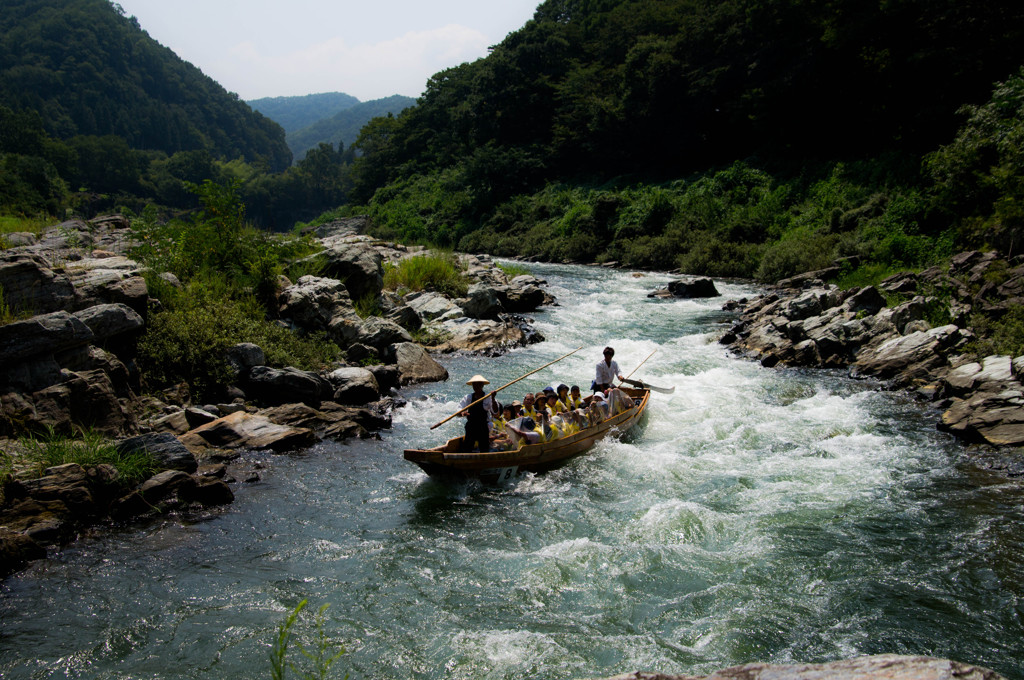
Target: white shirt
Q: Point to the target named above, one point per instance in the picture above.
(487, 403)
(606, 374)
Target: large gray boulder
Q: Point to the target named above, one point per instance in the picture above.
(380, 333)
(695, 288)
(359, 265)
(169, 452)
(481, 302)
(30, 284)
(42, 335)
(313, 302)
(433, 306)
(285, 385)
(354, 386)
(109, 320)
(415, 365)
(986, 417)
(109, 280)
(249, 431)
(911, 356)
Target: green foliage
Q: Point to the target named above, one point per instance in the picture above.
(92, 71)
(34, 225)
(513, 269)
(368, 305)
(437, 272)
(49, 449)
(318, 660)
(1002, 335)
(188, 340)
(980, 173)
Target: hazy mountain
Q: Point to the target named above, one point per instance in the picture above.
(295, 113)
(345, 125)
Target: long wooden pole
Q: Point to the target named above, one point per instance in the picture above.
(466, 408)
(626, 379)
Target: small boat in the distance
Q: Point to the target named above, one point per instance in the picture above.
(499, 466)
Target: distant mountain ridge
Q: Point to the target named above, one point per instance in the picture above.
(295, 113)
(88, 69)
(344, 126)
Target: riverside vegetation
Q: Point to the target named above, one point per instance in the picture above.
(141, 357)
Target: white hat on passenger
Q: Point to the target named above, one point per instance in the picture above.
(478, 379)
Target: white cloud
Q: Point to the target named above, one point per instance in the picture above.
(399, 65)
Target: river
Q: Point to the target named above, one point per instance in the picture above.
(756, 515)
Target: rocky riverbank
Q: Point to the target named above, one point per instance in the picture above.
(878, 667)
(69, 364)
(918, 331)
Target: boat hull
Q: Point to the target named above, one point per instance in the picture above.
(496, 466)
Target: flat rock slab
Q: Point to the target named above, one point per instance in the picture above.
(881, 667)
(249, 431)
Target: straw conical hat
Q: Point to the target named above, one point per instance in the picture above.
(478, 379)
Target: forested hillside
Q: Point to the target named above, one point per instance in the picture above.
(343, 128)
(295, 113)
(89, 70)
(96, 116)
(724, 136)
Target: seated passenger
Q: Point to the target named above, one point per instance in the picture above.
(562, 402)
(599, 410)
(619, 401)
(575, 398)
(523, 431)
(529, 406)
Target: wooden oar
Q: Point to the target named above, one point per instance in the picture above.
(466, 408)
(643, 385)
(636, 382)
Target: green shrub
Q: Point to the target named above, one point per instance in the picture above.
(794, 255)
(188, 340)
(368, 305)
(1004, 335)
(50, 449)
(439, 272)
(513, 269)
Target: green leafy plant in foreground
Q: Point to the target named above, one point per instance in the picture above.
(318, 661)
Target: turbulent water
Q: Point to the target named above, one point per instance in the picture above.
(755, 515)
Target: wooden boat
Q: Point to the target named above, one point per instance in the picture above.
(495, 466)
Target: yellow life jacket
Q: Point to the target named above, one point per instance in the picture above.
(576, 402)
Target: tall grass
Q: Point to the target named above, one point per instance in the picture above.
(49, 449)
(318, 660)
(438, 272)
(512, 269)
(35, 225)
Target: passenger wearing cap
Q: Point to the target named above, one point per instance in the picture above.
(478, 416)
(607, 371)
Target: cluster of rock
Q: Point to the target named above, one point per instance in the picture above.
(72, 365)
(921, 343)
(878, 667)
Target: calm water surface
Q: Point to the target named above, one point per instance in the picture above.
(757, 515)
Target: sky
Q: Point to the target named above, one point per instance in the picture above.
(366, 48)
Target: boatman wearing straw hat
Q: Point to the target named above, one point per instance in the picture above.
(478, 416)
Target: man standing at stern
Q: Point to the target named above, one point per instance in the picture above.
(607, 371)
